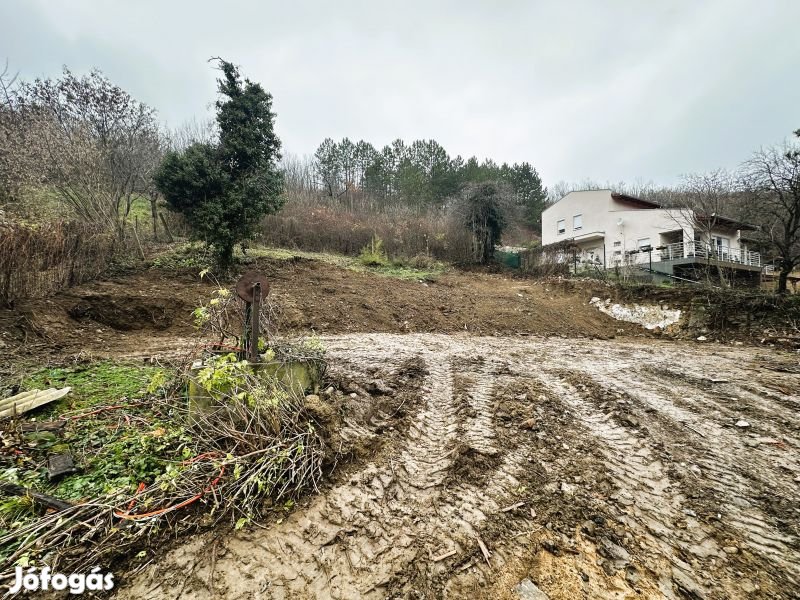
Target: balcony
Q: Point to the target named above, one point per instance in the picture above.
(683, 250)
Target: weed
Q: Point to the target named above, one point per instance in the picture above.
(374, 255)
(191, 256)
(414, 268)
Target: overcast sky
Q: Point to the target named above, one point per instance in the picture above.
(609, 90)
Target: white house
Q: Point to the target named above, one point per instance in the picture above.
(607, 229)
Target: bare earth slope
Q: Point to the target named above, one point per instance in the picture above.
(149, 312)
(598, 469)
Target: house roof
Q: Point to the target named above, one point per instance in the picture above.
(634, 200)
(638, 202)
(726, 222)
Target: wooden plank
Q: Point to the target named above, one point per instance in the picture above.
(19, 398)
(14, 406)
(42, 426)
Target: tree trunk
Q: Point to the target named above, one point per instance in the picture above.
(154, 213)
(226, 256)
(783, 277)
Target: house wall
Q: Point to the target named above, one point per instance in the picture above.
(592, 204)
(621, 225)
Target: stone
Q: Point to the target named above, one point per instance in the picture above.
(528, 424)
(527, 590)
(742, 424)
(629, 420)
(567, 489)
(588, 527)
(730, 549)
(702, 338)
(613, 551)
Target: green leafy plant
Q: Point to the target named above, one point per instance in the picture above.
(374, 255)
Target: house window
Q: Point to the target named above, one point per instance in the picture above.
(617, 244)
(643, 243)
(577, 222)
(561, 225)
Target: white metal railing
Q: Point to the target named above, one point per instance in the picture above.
(701, 250)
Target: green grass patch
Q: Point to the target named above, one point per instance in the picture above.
(191, 255)
(93, 384)
(416, 268)
(113, 448)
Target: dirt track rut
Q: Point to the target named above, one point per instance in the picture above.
(597, 468)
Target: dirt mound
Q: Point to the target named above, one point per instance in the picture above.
(154, 308)
(124, 313)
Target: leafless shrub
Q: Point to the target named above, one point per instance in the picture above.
(547, 261)
(317, 224)
(38, 261)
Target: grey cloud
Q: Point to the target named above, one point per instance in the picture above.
(610, 90)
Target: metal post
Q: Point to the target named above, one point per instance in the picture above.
(255, 315)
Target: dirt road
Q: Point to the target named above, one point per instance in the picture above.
(597, 469)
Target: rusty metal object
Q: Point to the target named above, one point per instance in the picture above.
(252, 287)
(244, 287)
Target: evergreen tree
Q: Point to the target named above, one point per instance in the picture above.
(225, 188)
(484, 215)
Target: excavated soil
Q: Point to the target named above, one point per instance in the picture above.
(596, 469)
(149, 312)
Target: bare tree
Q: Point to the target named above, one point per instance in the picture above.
(772, 180)
(17, 142)
(91, 141)
(701, 205)
(299, 173)
(191, 131)
(151, 152)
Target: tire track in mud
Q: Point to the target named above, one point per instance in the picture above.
(406, 524)
(728, 478)
(378, 532)
(648, 499)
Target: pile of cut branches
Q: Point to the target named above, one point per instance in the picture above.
(253, 446)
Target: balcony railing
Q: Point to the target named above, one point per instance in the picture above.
(700, 250)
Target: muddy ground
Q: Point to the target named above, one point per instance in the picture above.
(595, 469)
(500, 444)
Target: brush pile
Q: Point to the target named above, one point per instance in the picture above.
(253, 449)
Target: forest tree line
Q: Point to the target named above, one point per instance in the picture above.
(95, 149)
(420, 174)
